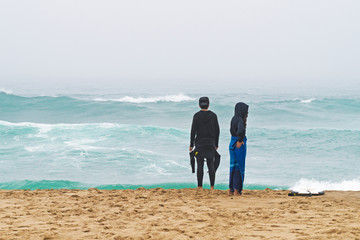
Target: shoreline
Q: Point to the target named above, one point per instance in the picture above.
(66, 184)
(186, 213)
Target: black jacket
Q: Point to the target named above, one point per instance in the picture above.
(237, 125)
(205, 130)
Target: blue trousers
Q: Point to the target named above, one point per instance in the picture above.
(237, 165)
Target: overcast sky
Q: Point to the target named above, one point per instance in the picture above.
(179, 42)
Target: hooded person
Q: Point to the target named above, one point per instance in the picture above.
(237, 148)
(204, 136)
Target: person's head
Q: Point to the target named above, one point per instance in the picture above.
(204, 103)
(241, 110)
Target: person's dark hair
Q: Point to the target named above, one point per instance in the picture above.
(204, 102)
(245, 119)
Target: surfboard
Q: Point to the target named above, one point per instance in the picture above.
(306, 192)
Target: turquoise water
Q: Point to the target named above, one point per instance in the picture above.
(58, 184)
(127, 140)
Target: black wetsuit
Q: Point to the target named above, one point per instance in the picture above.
(205, 133)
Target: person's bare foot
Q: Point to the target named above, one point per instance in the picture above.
(237, 193)
(200, 187)
(230, 192)
(212, 187)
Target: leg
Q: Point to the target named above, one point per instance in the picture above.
(210, 165)
(241, 185)
(200, 170)
(237, 193)
(240, 155)
(231, 182)
(232, 169)
(237, 181)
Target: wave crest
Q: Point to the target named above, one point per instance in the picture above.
(166, 98)
(6, 91)
(310, 100)
(46, 127)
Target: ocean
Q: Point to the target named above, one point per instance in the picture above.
(127, 140)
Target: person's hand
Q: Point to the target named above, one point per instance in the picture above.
(239, 144)
(190, 149)
(216, 148)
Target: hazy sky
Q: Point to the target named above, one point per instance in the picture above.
(185, 42)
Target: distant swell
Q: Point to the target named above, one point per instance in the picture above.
(99, 128)
(87, 108)
(126, 99)
(166, 98)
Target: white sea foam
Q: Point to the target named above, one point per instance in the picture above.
(310, 100)
(166, 98)
(170, 163)
(35, 149)
(6, 91)
(153, 168)
(83, 144)
(46, 127)
(137, 150)
(21, 124)
(314, 185)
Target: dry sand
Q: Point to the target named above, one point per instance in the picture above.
(177, 214)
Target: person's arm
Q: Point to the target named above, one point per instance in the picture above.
(217, 132)
(240, 133)
(192, 134)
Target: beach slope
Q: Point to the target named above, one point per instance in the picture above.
(177, 214)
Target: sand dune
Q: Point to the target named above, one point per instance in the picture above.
(177, 214)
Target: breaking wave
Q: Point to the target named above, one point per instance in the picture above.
(166, 98)
(312, 184)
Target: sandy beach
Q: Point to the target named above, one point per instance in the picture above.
(177, 214)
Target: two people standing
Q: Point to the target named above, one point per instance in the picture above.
(204, 136)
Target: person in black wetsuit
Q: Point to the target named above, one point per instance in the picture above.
(204, 136)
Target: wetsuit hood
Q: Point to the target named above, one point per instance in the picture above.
(241, 109)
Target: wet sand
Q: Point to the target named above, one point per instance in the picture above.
(177, 214)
